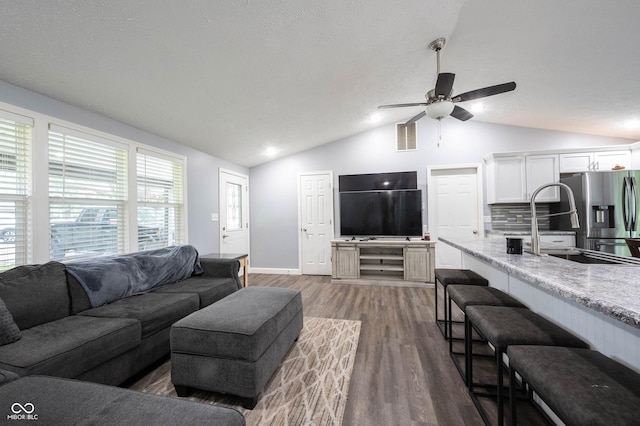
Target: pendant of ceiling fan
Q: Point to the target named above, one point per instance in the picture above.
(440, 102)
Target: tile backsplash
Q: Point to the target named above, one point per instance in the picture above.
(517, 217)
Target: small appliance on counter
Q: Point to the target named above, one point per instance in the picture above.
(514, 245)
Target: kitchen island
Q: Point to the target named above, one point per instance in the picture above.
(599, 303)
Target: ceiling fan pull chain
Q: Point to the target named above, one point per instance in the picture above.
(439, 131)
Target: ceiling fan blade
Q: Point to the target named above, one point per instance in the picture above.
(414, 119)
(484, 92)
(461, 113)
(403, 105)
(444, 84)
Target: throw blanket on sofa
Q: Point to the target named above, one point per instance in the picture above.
(110, 278)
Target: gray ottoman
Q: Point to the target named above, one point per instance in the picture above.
(234, 345)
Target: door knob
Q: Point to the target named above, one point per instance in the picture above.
(225, 236)
(304, 229)
(475, 232)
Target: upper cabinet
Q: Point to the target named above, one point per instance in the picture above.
(512, 179)
(506, 180)
(543, 169)
(575, 162)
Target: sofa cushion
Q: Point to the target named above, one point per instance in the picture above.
(71, 402)
(69, 346)
(155, 311)
(7, 377)
(79, 299)
(35, 294)
(209, 289)
(9, 331)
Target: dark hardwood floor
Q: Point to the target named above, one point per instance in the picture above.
(403, 374)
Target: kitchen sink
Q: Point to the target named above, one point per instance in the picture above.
(594, 257)
(581, 258)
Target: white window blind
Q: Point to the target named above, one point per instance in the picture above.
(15, 189)
(87, 194)
(161, 207)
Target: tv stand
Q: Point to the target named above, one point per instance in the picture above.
(394, 260)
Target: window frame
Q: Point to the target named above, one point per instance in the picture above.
(39, 224)
(19, 194)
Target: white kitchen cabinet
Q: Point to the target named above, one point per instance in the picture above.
(608, 160)
(512, 179)
(506, 180)
(558, 240)
(540, 170)
(575, 162)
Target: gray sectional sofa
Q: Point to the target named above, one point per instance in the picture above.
(65, 402)
(103, 321)
(49, 327)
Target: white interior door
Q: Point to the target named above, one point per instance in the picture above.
(455, 206)
(234, 212)
(316, 222)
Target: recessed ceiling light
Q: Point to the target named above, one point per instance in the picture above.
(477, 107)
(271, 151)
(375, 117)
(631, 124)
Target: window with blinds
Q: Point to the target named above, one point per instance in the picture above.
(160, 200)
(15, 189)
(87, 194)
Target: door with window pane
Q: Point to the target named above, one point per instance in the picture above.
(234, 208)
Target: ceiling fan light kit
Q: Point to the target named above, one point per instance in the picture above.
(440, 109)
(440, 101)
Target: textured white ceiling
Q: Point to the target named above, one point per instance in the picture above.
(232, 78)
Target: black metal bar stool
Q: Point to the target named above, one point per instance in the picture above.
(471, 295)
(580, 386)
(505, 326)
(453, 276)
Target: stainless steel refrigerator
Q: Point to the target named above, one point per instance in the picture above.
(607, 204)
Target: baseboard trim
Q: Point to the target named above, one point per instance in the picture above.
(275, 271)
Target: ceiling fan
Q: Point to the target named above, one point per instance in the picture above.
(440, 101)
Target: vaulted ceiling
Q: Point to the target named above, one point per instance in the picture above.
(234, 78)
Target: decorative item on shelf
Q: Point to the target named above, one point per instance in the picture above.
(427, 236)
(618, 167)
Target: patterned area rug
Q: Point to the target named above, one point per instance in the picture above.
(309, 388)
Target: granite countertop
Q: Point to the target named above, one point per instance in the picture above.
(500, 233)
(610, 289)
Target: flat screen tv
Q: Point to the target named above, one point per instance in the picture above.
(381, 213)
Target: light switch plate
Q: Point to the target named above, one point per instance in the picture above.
(214, 217)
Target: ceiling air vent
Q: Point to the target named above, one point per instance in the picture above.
(406, 139)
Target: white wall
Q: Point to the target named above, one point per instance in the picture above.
(274, 185)
(202, 169)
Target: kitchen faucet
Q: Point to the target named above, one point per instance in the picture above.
(535, 237)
